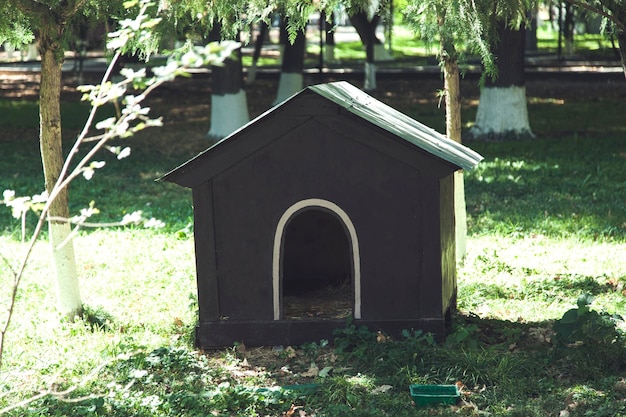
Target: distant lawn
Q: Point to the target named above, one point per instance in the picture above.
(590, 45)
(119, 188)
(25, 114)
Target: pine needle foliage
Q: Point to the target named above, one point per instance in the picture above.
(21, 18)
(465, 26)
(197, 17)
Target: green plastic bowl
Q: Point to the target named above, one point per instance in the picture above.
(426, 395)
(302, 388)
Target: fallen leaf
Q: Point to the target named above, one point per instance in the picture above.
(325, 371)
(284, 371)
(381, 390)
(290, 352)
(312, 372)
(289, 413)
(381, 338)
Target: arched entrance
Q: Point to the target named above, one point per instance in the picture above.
(316, 262)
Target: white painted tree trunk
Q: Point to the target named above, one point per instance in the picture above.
(68, 290)
(501, 111)
(228, 113)
(50, 143)
(370, 77)
(290, 83)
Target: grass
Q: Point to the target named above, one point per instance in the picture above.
(547, 222)
(528, 187)
(409, 50)
(25, 113)
(585, 44)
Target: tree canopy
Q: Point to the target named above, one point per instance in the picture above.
(469, 24)
(22, 19)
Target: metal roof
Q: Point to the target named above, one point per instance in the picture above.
(365, 106)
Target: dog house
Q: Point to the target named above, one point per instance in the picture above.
(328, 206)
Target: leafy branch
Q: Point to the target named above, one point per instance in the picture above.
(60, 395)
(132, 118)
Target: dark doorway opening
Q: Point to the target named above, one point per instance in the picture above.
(317, 267)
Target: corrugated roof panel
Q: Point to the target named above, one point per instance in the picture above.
(363, 105)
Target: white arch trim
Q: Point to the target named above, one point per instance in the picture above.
(278, 236)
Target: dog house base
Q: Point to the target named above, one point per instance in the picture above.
(298, 332)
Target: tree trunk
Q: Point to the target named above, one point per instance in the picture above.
(568, 29)
(531, 31)
(291, 78)
(68, 293)
(502, 110)
(452, 90)
(374, 48)
(258, 46)
(229, 104)
(366, 28)
(453, 99)
(621, 39)
(369, 84)
(329, 47)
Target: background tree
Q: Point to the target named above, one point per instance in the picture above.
(229, 103)
(614, 13)
(365, 22)
(328, 25)
(52, 23)
(502, 109)
(451, 23)
(293, 48)
(261, 38)
(471, 23)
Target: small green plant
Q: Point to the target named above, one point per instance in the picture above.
(348, 390)
(98, 318)
(463, 335)
(589, 342)
(312, 350)
(582, 325)
(351, 338)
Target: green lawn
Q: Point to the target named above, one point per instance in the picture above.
(547, 223)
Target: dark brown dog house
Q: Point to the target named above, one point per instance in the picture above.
(331, 204)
